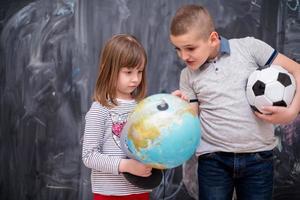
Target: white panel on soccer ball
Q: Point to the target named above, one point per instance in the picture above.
(274, 91)
(261, 101)
(293, 80)
(253, 78)
(279, 68)
(289, 93)
(268, 75)
(250, 95)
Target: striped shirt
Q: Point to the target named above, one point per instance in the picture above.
(101, 148)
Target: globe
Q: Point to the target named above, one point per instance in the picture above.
(163, 131)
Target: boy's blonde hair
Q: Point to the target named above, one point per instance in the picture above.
(192, 17)
(120, 51)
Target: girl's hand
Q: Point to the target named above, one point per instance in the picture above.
(277, 115)
(135, 167)
(180, 94)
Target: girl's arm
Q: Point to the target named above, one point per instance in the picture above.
(92, 155)
(134, 167)
(93, 140)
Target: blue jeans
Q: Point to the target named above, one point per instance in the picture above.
(251, 174)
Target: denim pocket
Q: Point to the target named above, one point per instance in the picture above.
(207, 156)
(264, 156)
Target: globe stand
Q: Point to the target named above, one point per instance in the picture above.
(149, 182)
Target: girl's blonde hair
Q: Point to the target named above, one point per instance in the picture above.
(120, 51)
(194, 17)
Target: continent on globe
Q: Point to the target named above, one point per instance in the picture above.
(163, 131)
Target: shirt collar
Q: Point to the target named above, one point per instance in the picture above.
(225, 48)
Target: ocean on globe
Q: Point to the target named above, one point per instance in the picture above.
(163, 131)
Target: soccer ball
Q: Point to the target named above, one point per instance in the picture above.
(270, 86)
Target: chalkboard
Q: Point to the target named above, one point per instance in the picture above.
(49, 52)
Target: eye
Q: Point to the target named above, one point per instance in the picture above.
(162, 106)
(128, 72)
(176, 49)
(191, 49)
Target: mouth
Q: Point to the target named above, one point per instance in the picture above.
(189, 62)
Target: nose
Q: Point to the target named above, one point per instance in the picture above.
(184, 55)
(135, 77)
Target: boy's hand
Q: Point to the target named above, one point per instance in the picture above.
(135, 167)
(180, 94)
(277, 115)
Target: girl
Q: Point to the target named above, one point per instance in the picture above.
(120, 85)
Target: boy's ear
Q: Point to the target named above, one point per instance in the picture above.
(214, 37)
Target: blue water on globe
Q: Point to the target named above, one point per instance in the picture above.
(163, 131)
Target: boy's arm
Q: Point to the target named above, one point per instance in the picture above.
(195, 107)
(283, 115)
(193, 104)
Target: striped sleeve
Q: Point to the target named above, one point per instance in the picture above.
(92, 154)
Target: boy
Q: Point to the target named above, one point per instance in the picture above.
(236, 146)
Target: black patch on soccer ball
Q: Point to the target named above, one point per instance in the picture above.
(255, 109)
(259, 88)
(280, 103)
(284, 79)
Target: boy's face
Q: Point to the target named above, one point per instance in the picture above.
(193, 50)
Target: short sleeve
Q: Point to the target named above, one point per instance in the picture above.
(185, 84)
(262, 53)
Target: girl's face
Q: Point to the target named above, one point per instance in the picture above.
(128, 80)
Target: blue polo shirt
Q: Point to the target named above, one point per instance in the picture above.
(227, 121)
